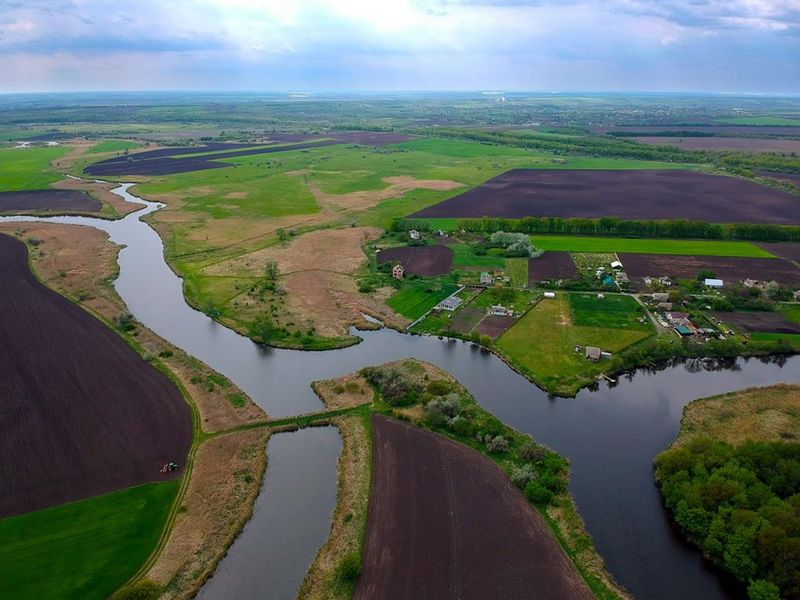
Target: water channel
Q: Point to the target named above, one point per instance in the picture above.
(610, 434)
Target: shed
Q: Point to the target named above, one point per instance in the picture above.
(796, 295)
(665, 305)
(616, 265)
(549, 294)
(683, 330)
(501, 311)
(593, 353)
(713, 283)
(486, 278)
(397, 271)
(660, 297)
(414, 234)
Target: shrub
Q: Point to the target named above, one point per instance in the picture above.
(537, 493)
(349, 568)
(522, 475)
(442, 411)
(497, 444)
(125, 321)
(165, 353)
(439, 387)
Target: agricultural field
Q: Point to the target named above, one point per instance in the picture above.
(727, 268)
(761, 321)
(130, 417)
(627, 194)
(48, 200)
(419, 260)
(517, 270)
(575, 243)
(424, 481)
(85, 549)
(465, 257)
(415, 298)
(724, 143)
(28, 168)
(613, 311)
(113, 146)
(551, 265)
(542, 343)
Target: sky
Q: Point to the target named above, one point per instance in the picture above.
(314, 45)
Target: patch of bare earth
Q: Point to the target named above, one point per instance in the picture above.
(362, 200)
(79, 263)
(318, 272)
(322, 582)
(225, 482)
(344, 392)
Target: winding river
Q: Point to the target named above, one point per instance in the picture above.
(610, 434)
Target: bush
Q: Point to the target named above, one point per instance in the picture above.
(497, 444)
(439, 387)
(522, 475)
(396, 385)
(763, 590)
(441, 411)
(125, 321)
(538, 494)
(350, 567)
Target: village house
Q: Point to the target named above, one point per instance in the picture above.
(498, 310)
(398, 271)
(796, 296)
(414, 234)
(660, 297)
(593, 353)
(682, 324)
(665, 306)
(450, 304)
(486, 278)
(616, 265)
(713, 283)
(550, 295)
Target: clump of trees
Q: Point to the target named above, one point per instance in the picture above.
(517, 245)
(397, 385)
(741, 506)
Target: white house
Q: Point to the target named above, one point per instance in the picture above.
(451, 303)
(398, 271)
(499, 310)
(549, 294)
(414, 234)
(616, 265)
(486, 278)
(713, 283)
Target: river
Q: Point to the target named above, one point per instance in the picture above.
(610, 434)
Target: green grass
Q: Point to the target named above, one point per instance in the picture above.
(613, 311)
(113, 146)
(418, 297)
(517, 270)
(542, 345)
(463, 256)
(519, 300)
(792, 338)
(790, 311)
(773, 121)
(85, 549)
(28, 168)
(570, 243)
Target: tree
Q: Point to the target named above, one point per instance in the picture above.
(762, 589)
(271, 270)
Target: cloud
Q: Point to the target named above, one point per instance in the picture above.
(569, 44)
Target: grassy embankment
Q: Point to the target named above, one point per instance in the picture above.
(540, 473)
(541, 345)
(730, 483)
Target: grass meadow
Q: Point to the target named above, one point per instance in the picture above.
(85, 549)
(28, 168)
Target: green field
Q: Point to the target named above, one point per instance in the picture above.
(542, 345)
(113, 146)
(574, 243)
(519, 300)
(790, 311)
(28, 168)
(463, 256)
(418, 297)
(517, 270)
(613, 311)
(85, 549)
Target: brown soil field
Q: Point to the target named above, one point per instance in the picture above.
(494, 325)
(747, 130)
(83, 413)
(49, 200)
(726, 268)
(739, 144)
(101, 191)
(788, 250)
(217, 504)
(466, 319)
(769, 322)
(551, 265)
(164, 162)
(626, 194)
(793, 178)
(445, 522)
(420, 260)
(79, 262)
